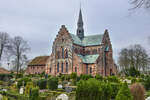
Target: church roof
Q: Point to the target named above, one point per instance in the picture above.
(87, 40)
(89, 59)
(41, 60)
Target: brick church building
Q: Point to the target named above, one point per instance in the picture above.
(81, 54)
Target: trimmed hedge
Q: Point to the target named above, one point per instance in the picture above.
(124, 93)
(53, 83)
(93, 89)
(42, 83)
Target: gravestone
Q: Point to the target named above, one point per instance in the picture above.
(60, 86)
(62, 97)
(68, 89)
(1, 97)
(147, 98)
(21, 90)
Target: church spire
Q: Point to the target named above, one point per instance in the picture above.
(80, 29)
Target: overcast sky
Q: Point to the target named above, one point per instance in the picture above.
(38, 21)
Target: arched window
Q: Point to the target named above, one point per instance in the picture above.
(66, 53)
(62, 52)
(58, 54)
(58, 67)
(76, 69)
(62, 67)
(87, 69)
(50, 70)
(91, 70)
(66, 66)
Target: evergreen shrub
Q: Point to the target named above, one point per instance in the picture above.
(124, 93)
(53, 83)
(42, 83)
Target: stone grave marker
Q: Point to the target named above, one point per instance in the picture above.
(60, 86)
(68, 89)
(62, 97)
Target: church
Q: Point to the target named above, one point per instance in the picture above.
(82, 54)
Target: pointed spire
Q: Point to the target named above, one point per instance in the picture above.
(80, 20)
(80, 29)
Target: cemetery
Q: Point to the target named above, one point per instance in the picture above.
(73, 87)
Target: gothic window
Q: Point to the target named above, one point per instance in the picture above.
(50, 70)
(58, 54)
(76, 69)
(58, 67)
(66, 54)
(66, 66)
(91, 70)
(87, 69)
(62, 67)
(62, 40)
(62, 52)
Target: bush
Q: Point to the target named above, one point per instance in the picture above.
(42, 83)
(93, 89)
(53, 83)
(73, 76)
(113, 79)
(5, 77)
(115, 88)
(133, 80)
(137, 91)
(20, 75)
(85, 77)
(98, 77)
(147, 82)
(34, 95)
(28, 87)
(124, 93)
(25, 80)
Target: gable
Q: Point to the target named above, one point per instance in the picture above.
(91, 40)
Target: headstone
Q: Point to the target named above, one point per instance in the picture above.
(21, 90)
(60, 86)
(62, 97)
(68, 89)
(148, 98)
(1, 97)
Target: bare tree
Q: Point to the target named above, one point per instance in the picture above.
(23, 63)
(134, 56)
(140, 3)
(4, 43)
(18, 50)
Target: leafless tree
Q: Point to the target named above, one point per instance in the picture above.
(4, 43)
(23, 63)
(18, 50)
(140, 3)
(134, 56)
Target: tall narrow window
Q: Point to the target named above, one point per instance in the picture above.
(76, 69)
(66, 54)
(87, 69)
(62, 67)
(58, 67)
(66, 66)
(50, 70)
(90, 70)
(62, 52)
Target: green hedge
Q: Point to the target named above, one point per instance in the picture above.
(93, 89)
(42, 83)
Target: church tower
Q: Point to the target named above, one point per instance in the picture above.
(80, 29)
